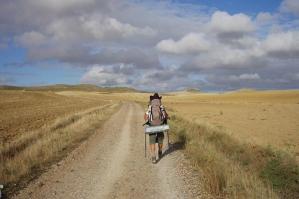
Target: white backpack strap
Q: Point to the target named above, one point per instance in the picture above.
(150, 115)
(162, 108)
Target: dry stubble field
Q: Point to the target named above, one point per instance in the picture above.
(261, 118)
(24, 111)
(267, 118)
(258, 117)
(245, 143)
(38, 128)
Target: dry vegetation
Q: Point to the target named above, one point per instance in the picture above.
(233, 169)
(244, 143)
(258, 117)
(24, 111)
(241, 157)
(27, 153)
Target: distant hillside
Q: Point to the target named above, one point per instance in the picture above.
(243, 90)
(186, 91)
(192, 90)
(65, 87)
(7, 87)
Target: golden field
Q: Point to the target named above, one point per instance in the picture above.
(38, 128)
(244, 143)
(267, 118)
(23, 111)
(236, 138)
(259, 117)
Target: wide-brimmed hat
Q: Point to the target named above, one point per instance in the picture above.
(155, 96)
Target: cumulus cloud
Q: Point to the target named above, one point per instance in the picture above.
(225, 58)
(148, 80)
(107, 27)
(86, 29)
(166, 80)
(237, 24)
(105, 76)
(296, 76)
(61, 5)
(290, 6)
(264, 18)
(190, 43)
(69, 31)
(283, 44)
(247, 77)
(31, 39)
(136, 43)
(237, 53)
(230, 47)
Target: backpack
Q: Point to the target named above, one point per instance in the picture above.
(157, 116)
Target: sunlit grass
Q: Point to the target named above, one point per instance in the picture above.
(33, 151)
(233, 169)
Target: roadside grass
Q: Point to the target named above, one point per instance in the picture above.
(233, 169)
(22, 159)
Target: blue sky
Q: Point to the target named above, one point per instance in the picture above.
(13, 64)
(239, 6)
(205, 44)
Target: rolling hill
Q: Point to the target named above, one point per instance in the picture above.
(66, 87)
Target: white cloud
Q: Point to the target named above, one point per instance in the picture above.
(222, 22)
(31, 39)
(290, 6)
(126, 41)
(95, 27)
(227, 57)
(190, 43)
(103, 27)
(246, 42)
(236, 53)
(60, 5)
(104, 76)
(283, 44)
(264, 18)
(245, 76)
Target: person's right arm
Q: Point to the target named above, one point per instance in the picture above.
(146, 114)
(145, 117)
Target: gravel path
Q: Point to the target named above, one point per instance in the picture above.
(111, 164)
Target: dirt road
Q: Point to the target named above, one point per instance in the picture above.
(111, 164)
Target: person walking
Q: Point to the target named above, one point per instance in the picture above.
(154, 116)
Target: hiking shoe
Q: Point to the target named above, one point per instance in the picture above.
(154, 160)
(160, 154)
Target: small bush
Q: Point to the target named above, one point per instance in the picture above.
(283, 173)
